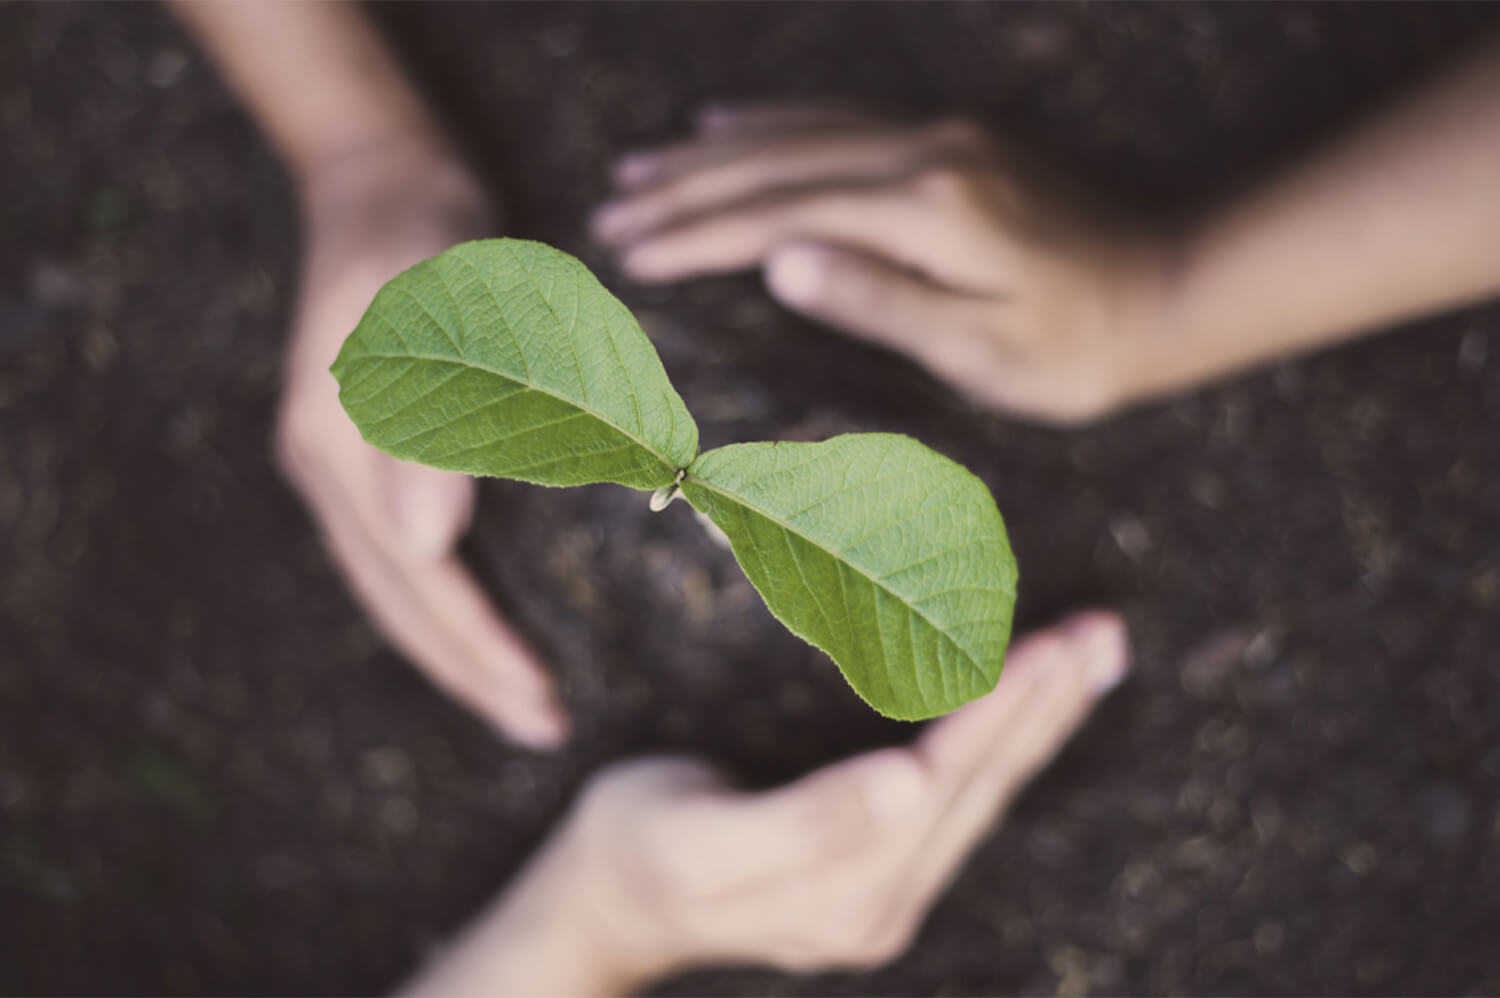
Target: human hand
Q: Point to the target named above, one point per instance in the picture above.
(840, 867)
(662, 865)
(933, 240)
(391, 525)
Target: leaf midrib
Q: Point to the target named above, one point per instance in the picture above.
(470, 365)
(878, 583)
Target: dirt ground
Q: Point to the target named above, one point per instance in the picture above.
(214, 779)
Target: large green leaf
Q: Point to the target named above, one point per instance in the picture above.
(883, 553)
(508, 358)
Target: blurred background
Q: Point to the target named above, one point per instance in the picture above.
(214, 778)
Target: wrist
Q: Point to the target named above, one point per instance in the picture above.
(544, 936)
(367, 216)
(413, 165)
(1149, 327)
(576, 904)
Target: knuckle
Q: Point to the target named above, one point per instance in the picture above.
(945, 183)
(955, 358)
(845, 283)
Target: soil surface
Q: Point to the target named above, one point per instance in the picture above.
(214, 779)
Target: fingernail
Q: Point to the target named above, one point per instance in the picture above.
(1102, 643)
(796, 273)
(636, 168)
(893, 789)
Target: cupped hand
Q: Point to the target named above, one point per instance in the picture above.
(840, 868)
(934, 240)
(390, 525)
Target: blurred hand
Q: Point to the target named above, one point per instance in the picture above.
(840, 867)
(392, 525)
(933, 240)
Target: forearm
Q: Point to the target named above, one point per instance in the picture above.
(316, 76)
(1399, 219)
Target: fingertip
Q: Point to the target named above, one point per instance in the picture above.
(1100, 639)
(541, 728)
(797, 273)
(534, 741)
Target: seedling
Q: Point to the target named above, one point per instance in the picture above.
(508, 358)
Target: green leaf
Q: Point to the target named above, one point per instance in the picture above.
(508, 358)
(883, 553)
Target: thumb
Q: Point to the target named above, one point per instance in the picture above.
(430, 508)
(867, 297)
(824, 814)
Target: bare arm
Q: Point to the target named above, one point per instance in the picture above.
(937, 242)
(381, 190)
(663, 866)
(1400, 218)
(315, 75)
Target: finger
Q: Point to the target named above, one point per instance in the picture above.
(435, 615)
(430, 508)
(517, 687)
(907, 816)
(734, 121)
(896, 221)
(985, 753)
(1084, 655)
(727, 118)
(704, 175)
(402, 611)
(829, 840)
(874, 300)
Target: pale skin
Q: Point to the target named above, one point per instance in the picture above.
(940, 242)
(380, 190)
(932, 240)
(662, 865)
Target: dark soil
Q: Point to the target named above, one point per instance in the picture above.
(214, 779)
